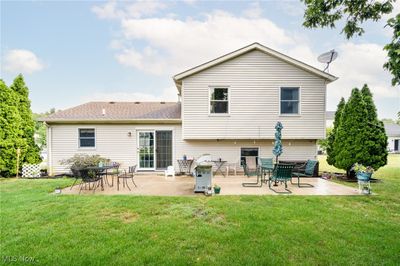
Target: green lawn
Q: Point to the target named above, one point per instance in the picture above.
(223, 230)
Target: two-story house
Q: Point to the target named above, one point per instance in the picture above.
(229, 107)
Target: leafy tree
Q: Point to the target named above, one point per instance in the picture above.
(40, 128)
(10, 131)
(323, 143)
(375, 140)
(393, 50)
(31, 152)
(331, 150)
(350, 135)
(326, 13)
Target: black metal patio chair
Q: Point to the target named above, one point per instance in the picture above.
(125, 176)
(251, 169)
(90, 177)
(305, 170)
(281, 173)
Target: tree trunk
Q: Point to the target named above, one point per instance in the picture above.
(350, 174)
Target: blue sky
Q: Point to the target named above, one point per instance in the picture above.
(71, 52)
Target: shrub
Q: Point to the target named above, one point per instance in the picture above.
(79, 161)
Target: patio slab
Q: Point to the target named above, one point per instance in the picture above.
(157, 185)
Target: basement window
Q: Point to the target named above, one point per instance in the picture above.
(87, 138)
(245, 152)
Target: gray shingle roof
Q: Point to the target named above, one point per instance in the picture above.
(392, 130)
(118, 111)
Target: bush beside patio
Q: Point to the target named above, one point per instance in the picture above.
(186, 230)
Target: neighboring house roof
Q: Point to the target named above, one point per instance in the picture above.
(330, 115)
(254, 46)
(119, 112)
(392, 130)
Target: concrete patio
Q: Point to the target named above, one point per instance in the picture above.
(158, 185)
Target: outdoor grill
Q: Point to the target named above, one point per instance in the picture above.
(203, 177)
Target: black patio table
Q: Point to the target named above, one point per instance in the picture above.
(100, 171)
(219, 164)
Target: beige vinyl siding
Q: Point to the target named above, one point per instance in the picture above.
(254, 81)
(113, 142)
(229, 150)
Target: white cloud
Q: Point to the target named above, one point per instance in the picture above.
(144, 8)
(254, 10)
(189, 2)
(108, 11)
(172, 45)
(138, 9)
(356, 65)
(22, 61)
(168, 94)
(184, 43)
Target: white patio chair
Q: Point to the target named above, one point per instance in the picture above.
(170, 172)
(232, 166)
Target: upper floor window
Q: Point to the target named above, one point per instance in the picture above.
(219, 101)
(290, 100)
(87, 138)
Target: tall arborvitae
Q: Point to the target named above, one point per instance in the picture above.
(350, 135)
(10, 131)
(375, 142)
(331, 148)
(31, 154)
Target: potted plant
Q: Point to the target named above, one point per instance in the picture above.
(217, 189)
(363, 173)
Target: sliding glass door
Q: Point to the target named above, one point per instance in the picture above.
(146, 150)
(163, 149)
(154, 149)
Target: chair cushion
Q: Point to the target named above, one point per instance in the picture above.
(310, 166)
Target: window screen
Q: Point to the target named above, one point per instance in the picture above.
(86, 137)
(289, 100)
(219, 103)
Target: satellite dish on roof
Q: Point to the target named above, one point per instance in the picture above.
(327, 58)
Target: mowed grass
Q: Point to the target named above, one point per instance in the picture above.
(222, 230)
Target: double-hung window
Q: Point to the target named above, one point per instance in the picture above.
(290, 100)
(87, 138)
(219, 101)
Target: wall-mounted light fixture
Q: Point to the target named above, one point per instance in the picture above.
(129, 134)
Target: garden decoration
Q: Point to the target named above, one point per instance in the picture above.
(217, 189)
(363, 174)
(277, 151)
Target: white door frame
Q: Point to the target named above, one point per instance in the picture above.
(138, 148)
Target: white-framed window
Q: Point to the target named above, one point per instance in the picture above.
(250, 151)
(87, 138)
(219, 100)
(290, 100)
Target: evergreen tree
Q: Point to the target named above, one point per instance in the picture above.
(349, 144)
(31, 153)
(10, 131)
(331, 150)
(375, 142)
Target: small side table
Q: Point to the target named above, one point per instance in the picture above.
(185, 166)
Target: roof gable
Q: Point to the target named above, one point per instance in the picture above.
(255, 46)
